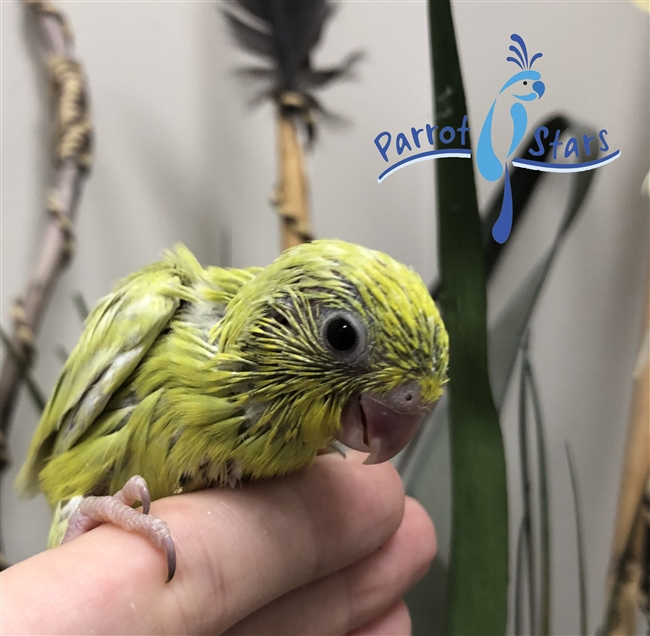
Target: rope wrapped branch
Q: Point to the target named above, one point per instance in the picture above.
(73, 134)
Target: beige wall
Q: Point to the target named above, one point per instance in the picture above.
(181, 158)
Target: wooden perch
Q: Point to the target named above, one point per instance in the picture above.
(73, 157)
(291, 197)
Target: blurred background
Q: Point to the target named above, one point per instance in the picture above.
(181, 157)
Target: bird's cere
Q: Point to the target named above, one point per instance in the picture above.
(383, 425)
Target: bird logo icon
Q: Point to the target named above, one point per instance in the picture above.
(523, 87)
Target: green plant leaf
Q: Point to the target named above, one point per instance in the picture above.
(478, 578)
(526, 560)
(544, 503)
(520, 562)
(524, 184)
(582, 579)
(424, 465)
(35, 392)
(61, 353)
(430, 483)
(511, 324)
(81, 306)
(527, 519)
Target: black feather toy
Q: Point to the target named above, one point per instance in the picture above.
(285, 33)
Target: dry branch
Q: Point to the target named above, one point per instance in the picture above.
(291, 196)
(73, 157)
(627, 567)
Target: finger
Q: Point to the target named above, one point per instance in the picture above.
(395, 621)
(354, 595)
(237, 551)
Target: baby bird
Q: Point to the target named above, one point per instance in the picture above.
(187, 378)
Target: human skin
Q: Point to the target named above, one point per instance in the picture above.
(327, 550)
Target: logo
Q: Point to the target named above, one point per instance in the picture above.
(493, 153)
(523, 87)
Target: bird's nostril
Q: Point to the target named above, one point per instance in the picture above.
(404, 398)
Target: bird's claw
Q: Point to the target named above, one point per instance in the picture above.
(93, 511)
(170, 550)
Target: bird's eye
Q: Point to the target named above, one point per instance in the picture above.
(343, 334)
(525, 83)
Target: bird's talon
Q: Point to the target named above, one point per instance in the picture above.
(146, 502)
(117, 509)
(170, 550)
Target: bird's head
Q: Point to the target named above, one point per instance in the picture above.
(525, 86)
(338, 338)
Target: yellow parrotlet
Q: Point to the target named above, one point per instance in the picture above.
(188, 377)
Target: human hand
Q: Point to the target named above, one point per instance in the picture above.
(327, 550)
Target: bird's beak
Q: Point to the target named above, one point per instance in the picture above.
(382, 425)
(539, 88)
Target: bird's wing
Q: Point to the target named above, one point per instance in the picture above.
(117, 335)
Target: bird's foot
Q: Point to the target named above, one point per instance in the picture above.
(93, 511)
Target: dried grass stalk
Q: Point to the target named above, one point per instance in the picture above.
(627, 566)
